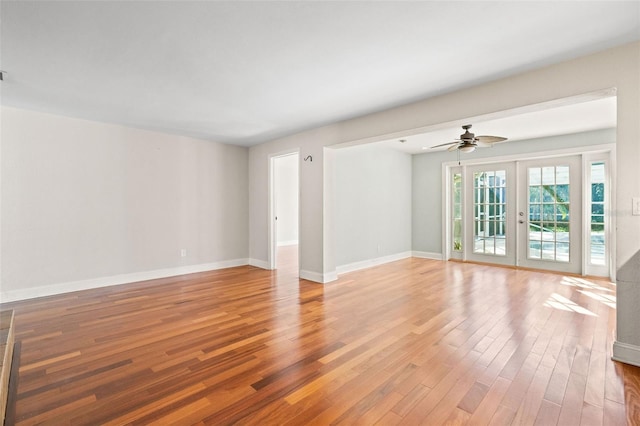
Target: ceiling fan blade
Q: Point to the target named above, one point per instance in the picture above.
(444, 144)
(490, 139)
(453, 147)
(482, 144)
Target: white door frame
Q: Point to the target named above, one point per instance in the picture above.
(587, 154)
(271, 218)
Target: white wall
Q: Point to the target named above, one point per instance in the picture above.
(614, 68)
(428, 184)
(286, 194)
(85, 200)
(372, 210)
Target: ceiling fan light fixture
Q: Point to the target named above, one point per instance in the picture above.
(467, 148)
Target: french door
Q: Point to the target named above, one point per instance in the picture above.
(550, 214)
(490, 212)
(530, 214)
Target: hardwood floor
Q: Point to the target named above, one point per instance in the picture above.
(287, 259)
(411, 342)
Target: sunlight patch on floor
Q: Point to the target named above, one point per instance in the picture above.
(557, 301)
(608, 300)
(583, 283)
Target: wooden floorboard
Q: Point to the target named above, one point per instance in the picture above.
(415, 341)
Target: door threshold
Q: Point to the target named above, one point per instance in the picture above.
(526, 268)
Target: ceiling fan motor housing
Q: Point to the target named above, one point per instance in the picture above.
(467, 135)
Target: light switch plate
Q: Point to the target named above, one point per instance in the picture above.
(636, 206)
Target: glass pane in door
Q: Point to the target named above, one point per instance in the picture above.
(457, 212)
(597, 231)
(489, 207)
(548, 206)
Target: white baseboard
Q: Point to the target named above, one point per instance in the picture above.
(318, 277)
(624, 352)
(356, 266)
(427, 255)
(50, 290)
(259, 263)
(288, 243)
(330, 276)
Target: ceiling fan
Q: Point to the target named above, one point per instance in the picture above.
(468, 142)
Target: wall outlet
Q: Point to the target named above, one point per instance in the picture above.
(183, 252)
(636, 206)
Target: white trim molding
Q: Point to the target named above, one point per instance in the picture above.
(318, 277)
(53, 289)
(427, 255)
(288, 243)
(624, 352)
(259, 263)
(363, 264)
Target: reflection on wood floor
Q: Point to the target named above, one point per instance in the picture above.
(287, 259)
(410, 342)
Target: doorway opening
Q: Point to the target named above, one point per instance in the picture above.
(285, 213)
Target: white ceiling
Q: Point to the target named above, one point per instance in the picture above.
(247, 72)
(559, 120)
